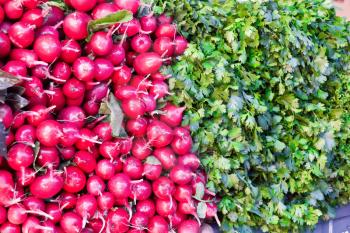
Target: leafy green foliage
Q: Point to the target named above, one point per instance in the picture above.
(266, 86)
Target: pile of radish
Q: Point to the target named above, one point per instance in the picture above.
(65, 169)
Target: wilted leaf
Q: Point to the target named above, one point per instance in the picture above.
(117, 116)
(3, 147)
(200, 189)
(7, 80)
(16, 101)
(201, 209)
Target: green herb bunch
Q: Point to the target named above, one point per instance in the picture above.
(267, 90)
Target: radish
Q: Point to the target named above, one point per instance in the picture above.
(164, 46)
(48, 157)
(139, 220)
(141, 190)
(6, 116)
(31, 225)
(70, 51)
(181, 175)
(125, 92)
(130, 57)
(164, 19)
(103, 9)
(159, 76)
(17, 68)
(20, 155)
(70, 133)
(158, 224)
(75, 179)
(85, 161)
(147, 63)
(47, 47)
(47, 185)
(105, 169)
(130, 28)
(137, 127)
(29, 57)
(165, 207)
(172, 115)
(133, 168)
(159, 89)
(103, 131)
(71, 222)
(166, 30)
(141, 43)
(176, 218)
(84, 69)
(109, 150)
(148, 23)
(181, 45)
(16, 214)
(31, 4)
(54, 211)
(122, 75)
(53, 16)
(166, 156)
(86, 206)
(146, 207)
(73, 88)
(49, 132)
(117, 55)
(25, 176)
(13, 10)
(61, 71)
(86, 139)
(67, 152)
(95, 185)
(141, 83)
(21, 34)
(117, 221)
(73, 115)
(188, 207)
(33, 17)
(159, 134)
(105, 201)
(2, 14)
(104, 69)
(34, 203)
(38, 114)
(101, 43)
(163, 188)
(130, 5)
(83, 5)
(9, 228)
(188, 226)
(183, 193)
(152, 168)
(3, 215)
(140, 149)
(119, 185)
(75, 25)
(189, 160)
(5, 45)
(182, 142)
(133, 107)
(47, 30)
(67, 200)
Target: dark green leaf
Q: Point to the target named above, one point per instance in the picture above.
(121, 16)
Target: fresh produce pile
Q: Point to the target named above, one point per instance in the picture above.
(98, 148)
(266, 90)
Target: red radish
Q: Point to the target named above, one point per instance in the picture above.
(20, 155)
(47, 185)
(34, 203)
(17, 68)
(163, 188)
(8, 140)
(73, 88)
(181, 175)
(49, 132)
(137, 127)
(38, 114)
(31, 4)
(133, 108)
(83, 5)
(105, 169)
(103, 9)
(70, 51)
(16, 214)
(75, 25)
(141, 190)
(67, 152)
(109, 150)
(103, 131)
(34, 87)
(164, 46)
(32, 225)
(148, 23)
(33, 17)
(5, 26)
(166, 156)
(188, 207)
(25, 176)
(130, 57)
(2, 14)
(176, 218)
(141, 43)
(164, 18)
(165, 207)
(130, 5)
(73, 115)
(5, 45)
(180, 45)
(159, 134)
(159, 76)
(13, 10)
(141, 83)
(117, 55)
(119, 185)
(183, 193)
(86, 206)
(101, 43)
(47, 47)
(48, 157)
(140, 148)
(61, 71)
(159, 89)
(67, 200)
(189, 160)
(70, 134)
(54, 211)
(21, 34)
(47, 30)
(85, 161)
(182, 142)
(172, 115)
(139, 220)
(104, 69)
(75, 179)
(122, 75)
(6, 116)
(125, 92)
(54, 15)
(188, 226)
(133, 168)
(71, 222)
(130, 28)
(86, 140)
(75, 102)
(8, 227)
(152, 168)
(158, 224)
(147, 63)
(166, 30)
(84, 69)
(105, 201)
(95, 185)
(39, 71)
(146, 207)
(29, 57)
(117, 221)
(3, 215)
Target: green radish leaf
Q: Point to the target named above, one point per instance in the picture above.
(7, 80)
(201, 209)
(200, 189)
(152, 160)
(121, 16)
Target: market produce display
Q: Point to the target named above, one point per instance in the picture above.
(266, 90)
(93, 145)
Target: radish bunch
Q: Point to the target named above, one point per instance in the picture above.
(65, 171)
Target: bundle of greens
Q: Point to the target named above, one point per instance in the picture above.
(267, 90)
